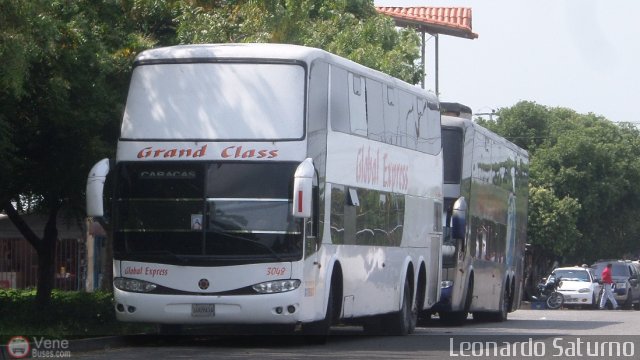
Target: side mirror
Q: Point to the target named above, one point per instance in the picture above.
(458, 219)
(95, 188)
(303, 189)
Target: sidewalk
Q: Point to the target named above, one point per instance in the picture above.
(82, 345)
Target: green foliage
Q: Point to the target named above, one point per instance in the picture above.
(62, 114)
(70, 315)
(584, 201)
(552, 221)
(351, 29)
(526, 124)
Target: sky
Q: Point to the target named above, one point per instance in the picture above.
(579, 54)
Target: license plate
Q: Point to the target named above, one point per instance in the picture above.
(203, 310)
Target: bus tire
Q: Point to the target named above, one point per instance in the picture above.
(503, 311)
(404, 321)
(496, 316)
(317, 333)
(457, 318)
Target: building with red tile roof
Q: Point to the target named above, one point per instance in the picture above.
(453, 21)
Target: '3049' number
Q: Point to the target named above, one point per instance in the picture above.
(276, 271)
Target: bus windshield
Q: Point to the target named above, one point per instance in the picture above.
(175, 212)
(452, 153)
(215, 101)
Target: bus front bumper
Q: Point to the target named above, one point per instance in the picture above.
(280, 308)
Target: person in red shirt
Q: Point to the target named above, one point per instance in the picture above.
(607, 293)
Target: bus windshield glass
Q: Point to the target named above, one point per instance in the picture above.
(215, 101)
(179, 212)
(452, 153)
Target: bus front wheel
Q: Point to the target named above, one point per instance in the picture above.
(318, 332)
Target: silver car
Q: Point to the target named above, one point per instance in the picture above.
(625, 276)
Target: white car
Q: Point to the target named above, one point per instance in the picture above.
(578, 285)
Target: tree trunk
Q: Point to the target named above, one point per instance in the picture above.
(46, 260)
(107, 264)
(45, 248)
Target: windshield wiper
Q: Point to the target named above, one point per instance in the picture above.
(254, 242)
(155, 253)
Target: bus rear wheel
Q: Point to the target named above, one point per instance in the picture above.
(404, 321)
(496, 316)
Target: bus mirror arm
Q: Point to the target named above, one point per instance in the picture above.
(458, 219)
(303, 189)
(95, 188)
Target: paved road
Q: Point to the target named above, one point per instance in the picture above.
(545, 334)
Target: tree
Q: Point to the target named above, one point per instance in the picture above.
(552, 221)
(59, 109)
(526, 124)
(583, 198)
(352, 29)
(595, 162)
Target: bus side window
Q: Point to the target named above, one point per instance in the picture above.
(337, 214)
(407, 121)
(312, 226)
(390, 115)
(338, 100)
(357, 105)
(429, 127)
(318, 98)
(375, 119)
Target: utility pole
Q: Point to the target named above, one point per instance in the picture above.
(491, 114)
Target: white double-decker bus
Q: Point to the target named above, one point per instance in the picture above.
(486, 192)
(264, 184)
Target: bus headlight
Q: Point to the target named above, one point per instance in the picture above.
(276, 286)
(446, 284)
(133, 285)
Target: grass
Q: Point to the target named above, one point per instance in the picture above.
(70, 315)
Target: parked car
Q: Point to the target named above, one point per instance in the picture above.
(578, 285)
(625, 275)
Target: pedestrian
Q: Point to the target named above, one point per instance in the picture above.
(607, 293)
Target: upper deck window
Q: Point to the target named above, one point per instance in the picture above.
(215, 101)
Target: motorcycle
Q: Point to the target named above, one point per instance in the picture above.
(548, 293)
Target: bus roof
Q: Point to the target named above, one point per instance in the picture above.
(470, 125)
(206, 51)
(265, 51)
(456, 109)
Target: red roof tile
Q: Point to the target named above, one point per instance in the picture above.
(454, 21)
